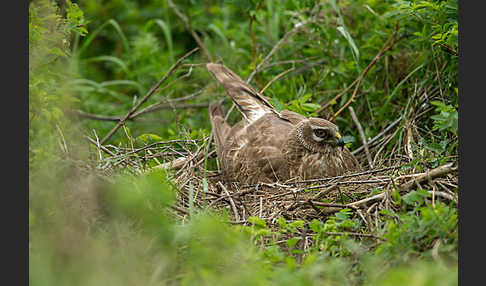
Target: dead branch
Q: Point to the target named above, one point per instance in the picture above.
(280, 43)
(429, 175)
(386, 47)
(237, 216)
(361, 134)
(276, 78)
(374, 139)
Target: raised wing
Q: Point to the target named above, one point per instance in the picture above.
(249, 102)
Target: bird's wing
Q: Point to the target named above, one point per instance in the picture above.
(255, 151)
(291, 116)
(249, 102)
(220, 128)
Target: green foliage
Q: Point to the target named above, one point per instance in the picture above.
(447, 119)
(416, 232)
(75, 19)
(103, 56)
(50, 70)
(439, 20)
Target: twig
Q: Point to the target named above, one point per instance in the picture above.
(294, 30)
(324, 192)
(181, 210)
(443, 195)
(379, 135)
(326, 105)
(321, 204)
(237, 216)
(329, 178)
(361, 134)
(149, 93)
(349, 183)
(276, 78)
(190, 29)
(83, 114)
(168, 104)
(304, 60)
(106, 150)
(308, 66)
(99, 146)
(356, 234)
(448, 49)
(159, 143)
(386, 47)
(434, 173)
(62, 142)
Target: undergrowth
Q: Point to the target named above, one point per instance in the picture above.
(95, 221)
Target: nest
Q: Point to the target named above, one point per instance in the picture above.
(366, 193)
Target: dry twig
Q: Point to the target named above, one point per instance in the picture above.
(361, 134)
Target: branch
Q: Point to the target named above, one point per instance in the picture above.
(276, 78)
(378, 136)
(233, 206)
(361, 134)
(429, 175)
(383, 50)
(83, 114)
(386, 47)
(449, 49)
(296, 28)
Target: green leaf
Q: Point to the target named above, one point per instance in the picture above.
(297, 224)
(168, 36)
(310, 106)
(111, 59)
(257, 222)
(315, 225)
(148, 137)
(350, 40)
(293, 241)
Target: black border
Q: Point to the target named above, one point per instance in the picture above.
(471, 169)
(15, 142)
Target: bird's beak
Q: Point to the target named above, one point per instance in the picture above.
(340, 141)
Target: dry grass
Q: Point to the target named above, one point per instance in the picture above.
(366, 193)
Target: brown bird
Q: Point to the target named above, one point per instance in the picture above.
(270, 146)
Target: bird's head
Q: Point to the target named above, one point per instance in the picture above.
(320, 135)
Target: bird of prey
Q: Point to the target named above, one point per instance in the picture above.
(269, 146)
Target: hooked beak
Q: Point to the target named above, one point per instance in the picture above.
(340, 141)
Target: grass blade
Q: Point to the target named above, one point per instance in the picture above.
(168, 36)
(111, 59)
(95, 33)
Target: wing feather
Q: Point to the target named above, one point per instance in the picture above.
(249, 102)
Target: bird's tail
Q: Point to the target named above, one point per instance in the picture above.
(249, 102)
(219, 126)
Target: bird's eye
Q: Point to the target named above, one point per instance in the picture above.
(321, 133)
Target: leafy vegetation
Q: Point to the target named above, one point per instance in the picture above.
(94, 219)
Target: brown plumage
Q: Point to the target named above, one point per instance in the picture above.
(270, 146)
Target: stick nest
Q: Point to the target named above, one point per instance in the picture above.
(366, 193)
